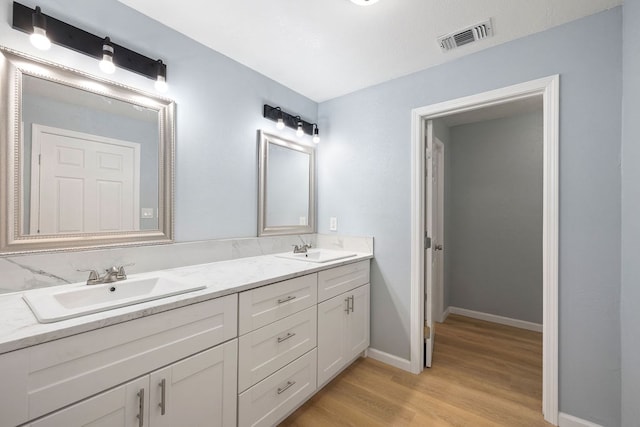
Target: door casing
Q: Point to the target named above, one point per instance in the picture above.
(548, 89)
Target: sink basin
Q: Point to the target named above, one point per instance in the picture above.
(80, 299)
(317, 255)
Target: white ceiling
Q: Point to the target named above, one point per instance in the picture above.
(327, 48)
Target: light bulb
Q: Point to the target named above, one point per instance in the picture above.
(39, 39)
(161, 79)
(161, 84)
(39, 36)
(280, 123)
(107, 65)
(299, 131)
(316, 134)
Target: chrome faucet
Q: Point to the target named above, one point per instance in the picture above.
(112, 274)
(301, 249)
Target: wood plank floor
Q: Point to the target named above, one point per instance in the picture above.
(483, 374)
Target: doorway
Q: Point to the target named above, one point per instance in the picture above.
(422, 225)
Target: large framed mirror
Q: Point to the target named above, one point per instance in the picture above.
(87, 163)
(286, 196)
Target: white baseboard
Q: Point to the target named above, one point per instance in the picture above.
(496, 319)
(566, 420)
(445, 314)
(389, 359)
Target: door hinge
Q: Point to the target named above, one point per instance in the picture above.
(427, 241)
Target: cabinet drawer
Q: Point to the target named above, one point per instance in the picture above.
(261, 306)
(49, 376)
(264, 351)
(270, 400)
(342, 279)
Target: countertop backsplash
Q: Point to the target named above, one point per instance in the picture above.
(23, 272)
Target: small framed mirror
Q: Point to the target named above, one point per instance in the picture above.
(87, 162)
(286, 196)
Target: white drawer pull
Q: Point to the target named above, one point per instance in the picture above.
(286, 387)
(286, 337)
(287, 299)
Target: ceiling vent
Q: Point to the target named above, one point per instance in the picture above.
(468, 35)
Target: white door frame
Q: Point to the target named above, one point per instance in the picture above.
(548, 88)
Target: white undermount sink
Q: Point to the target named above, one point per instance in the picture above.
(318, 255)
(51, 305)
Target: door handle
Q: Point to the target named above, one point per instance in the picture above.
(438, 247)
(347, 301)
(351, 298)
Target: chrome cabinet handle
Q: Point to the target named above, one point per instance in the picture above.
(351, 298)
(347, 301)
(287, 299)
(286, 337)
(163, 396)
(286, 387)
(140, 415)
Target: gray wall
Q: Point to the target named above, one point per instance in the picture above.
(219, 109)
(630, 297)
(494, 245)
(364, 179)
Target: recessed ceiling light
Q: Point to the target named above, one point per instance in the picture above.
(364, 2)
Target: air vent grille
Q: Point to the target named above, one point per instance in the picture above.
(468, 35)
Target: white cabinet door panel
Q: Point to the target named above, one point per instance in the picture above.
(118, 407)
(332, 346)
(200, 390)
(358, 321)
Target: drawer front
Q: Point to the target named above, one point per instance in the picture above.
(261, 306)
(270, 400)
(64, 371)
(342, 279)
(264, 351)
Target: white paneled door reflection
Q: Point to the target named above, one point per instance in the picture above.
(83, 183)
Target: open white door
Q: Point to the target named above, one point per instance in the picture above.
(429, 329)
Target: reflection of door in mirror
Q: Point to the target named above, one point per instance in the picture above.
(83, 183)
(287, 186)
(89, 163)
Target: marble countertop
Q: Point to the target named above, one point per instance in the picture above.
(19, 328)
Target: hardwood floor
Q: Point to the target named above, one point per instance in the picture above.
(483, 374)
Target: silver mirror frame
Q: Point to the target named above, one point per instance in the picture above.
(265, 229)
(13, 65)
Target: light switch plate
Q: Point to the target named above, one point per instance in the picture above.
(333, 224)
(146, 213)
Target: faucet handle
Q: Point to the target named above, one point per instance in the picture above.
(93, 277)
(121, 273)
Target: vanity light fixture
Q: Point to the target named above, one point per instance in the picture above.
(44, 30)
(284, 119)
(107, 64)
(316, 134)
(299, 130)
(39, 35)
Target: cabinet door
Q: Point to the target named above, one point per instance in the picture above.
(118, 407)
(358, 321)
(200, 390)
(332, 345)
